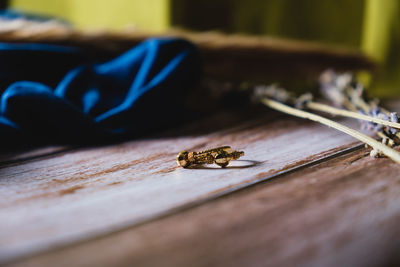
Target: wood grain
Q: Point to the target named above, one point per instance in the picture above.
(25, 154)
(342, 212)
(58, 200)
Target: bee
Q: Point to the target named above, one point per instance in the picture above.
(220, 156)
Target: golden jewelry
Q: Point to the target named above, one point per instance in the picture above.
(220, 156)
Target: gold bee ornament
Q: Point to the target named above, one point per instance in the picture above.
(220, 156)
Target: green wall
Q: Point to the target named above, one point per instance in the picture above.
(114, 14)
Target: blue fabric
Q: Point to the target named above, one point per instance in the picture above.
(59, 94)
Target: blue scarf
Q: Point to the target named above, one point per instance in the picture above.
(52, 93)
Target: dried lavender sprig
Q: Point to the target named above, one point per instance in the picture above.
(344, 91)
(377, 146)
(346, 113)
(273, 92)
(305, 101)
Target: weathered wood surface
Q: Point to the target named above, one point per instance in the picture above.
(30, 154)
(342, 212)
(61, 199)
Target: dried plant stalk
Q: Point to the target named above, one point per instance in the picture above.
(351, 114)
(377, 146)
(343, 90)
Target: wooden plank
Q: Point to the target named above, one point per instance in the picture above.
(89, 192)
(342, 212)
(26, 154)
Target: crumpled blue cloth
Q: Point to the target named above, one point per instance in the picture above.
(59, 94)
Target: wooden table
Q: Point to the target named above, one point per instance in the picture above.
(303, 195)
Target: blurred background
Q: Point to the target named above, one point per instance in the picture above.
(372, 26)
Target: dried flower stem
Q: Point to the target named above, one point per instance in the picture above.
(351, 114)
(389, 152)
